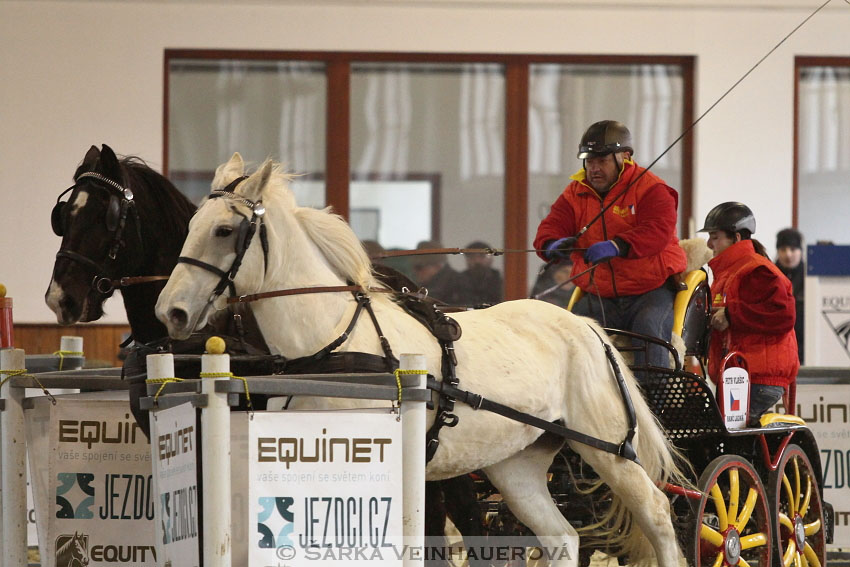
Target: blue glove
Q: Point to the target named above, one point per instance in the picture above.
(601, 251)
(560, 248)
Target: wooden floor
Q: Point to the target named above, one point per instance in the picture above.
(100, 342)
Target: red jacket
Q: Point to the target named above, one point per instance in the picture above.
(644, 217)
(761, 311)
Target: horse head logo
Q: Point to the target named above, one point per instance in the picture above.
(842, 331)
(72, 550)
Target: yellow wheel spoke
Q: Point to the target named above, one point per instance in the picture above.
(743, 562)
(790, 552)
(733, 494)
(719, 560)
(796, 484)
(807, 497)
(747, 510)
(811, 556)
(720, 507)
(813, 528)
(797, 559)
(711, 535)
(753, 540)
(785, 522)
(792, 509)
(803, 561)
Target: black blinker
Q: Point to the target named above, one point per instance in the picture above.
(57, 218)
(244, 227)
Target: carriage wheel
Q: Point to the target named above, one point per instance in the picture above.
(733, 525)
(799, 523)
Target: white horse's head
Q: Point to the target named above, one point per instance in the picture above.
(249, 237)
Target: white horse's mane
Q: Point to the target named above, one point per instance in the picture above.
(328, 231)
(338, 243)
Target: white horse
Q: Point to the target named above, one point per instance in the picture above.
(530, 355)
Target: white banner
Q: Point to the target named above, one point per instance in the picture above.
(827, 324)
(325, 487)
(825, 408)
(174, 446)
(97, 493)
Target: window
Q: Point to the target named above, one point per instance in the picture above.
(823, 149)
(443, 121)
(564, 99)
(409, 147)
(258, 108)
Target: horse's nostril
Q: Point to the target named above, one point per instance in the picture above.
(178, 317)
(67, 303)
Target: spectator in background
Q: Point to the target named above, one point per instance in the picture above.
(481, 282)
(555, 274)
(433, 272)
(789, 260)
(373, 248)
(399, 264)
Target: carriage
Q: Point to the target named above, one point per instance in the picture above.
(757, 494)
(746, 496)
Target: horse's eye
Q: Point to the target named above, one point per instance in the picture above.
(224, 231)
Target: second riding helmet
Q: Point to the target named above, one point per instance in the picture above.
(732, 216)
(603, 138)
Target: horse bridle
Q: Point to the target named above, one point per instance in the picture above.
(247, 229)
(120, 204)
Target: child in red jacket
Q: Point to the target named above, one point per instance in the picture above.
(753, 310)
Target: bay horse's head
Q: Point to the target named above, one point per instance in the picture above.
(97, 223)
(72, 551)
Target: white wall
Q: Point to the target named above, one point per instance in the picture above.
(77, 73)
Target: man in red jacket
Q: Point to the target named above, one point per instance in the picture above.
(633, 244)
(753, 309)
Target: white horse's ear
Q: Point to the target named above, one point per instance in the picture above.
(227, 172)
(253, 187)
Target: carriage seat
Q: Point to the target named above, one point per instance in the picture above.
(691, 310)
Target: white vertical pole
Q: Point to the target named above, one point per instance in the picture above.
(14, 457)
(69, 343)
(215, 462)
(158, 366)
(413, 464)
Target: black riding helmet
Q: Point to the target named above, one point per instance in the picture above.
(603, 138)
(731, 216)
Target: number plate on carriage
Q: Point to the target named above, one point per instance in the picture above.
(736, 397)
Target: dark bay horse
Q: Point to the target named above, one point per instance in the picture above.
(121, 219)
